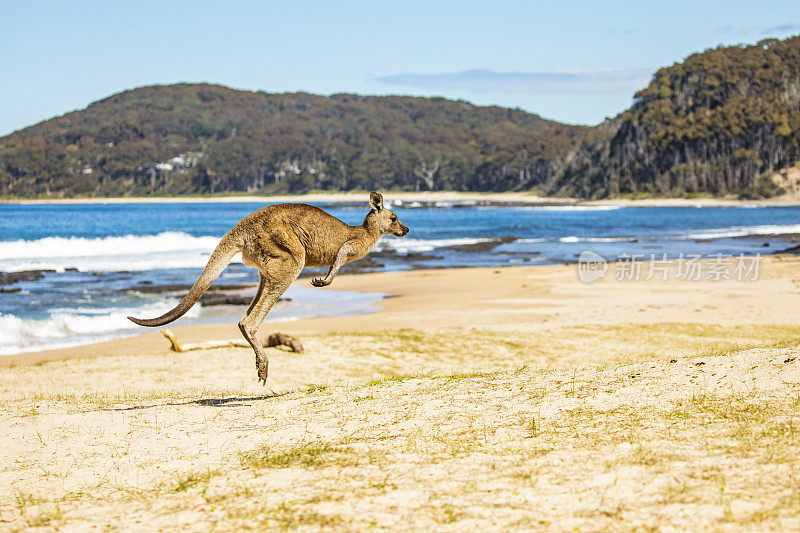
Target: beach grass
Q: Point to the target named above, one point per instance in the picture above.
(637, 426)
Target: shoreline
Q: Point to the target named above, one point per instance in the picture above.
(436, 196)
(437, 299)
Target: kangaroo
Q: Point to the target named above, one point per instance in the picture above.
(280, 240)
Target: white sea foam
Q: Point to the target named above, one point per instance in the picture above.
(742, 231)
(574, 239)
(609, 239)
(597, 239)
(129, 252)
(717, 233)
(165, 250)
(442, 204)
(406, 245)
(574, 207)
(72, 327)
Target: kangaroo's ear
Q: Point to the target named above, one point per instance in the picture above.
(376, 201)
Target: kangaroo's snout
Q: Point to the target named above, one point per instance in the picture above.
(403, 231)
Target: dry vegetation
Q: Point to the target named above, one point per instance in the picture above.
(639, 426)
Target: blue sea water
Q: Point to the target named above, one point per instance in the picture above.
(100, 251)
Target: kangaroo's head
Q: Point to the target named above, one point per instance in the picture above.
(385, 220)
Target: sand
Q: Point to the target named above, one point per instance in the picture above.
(499, 398)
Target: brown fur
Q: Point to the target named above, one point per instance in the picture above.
(280, 240)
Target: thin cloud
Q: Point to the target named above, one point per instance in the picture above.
(623, 31)
(577, 81)
(749, 30)
(731, 29)
(783, 28)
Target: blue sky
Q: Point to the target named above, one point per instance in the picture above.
(574, 61)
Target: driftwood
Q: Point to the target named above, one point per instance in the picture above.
(274, 340)
(281, 339)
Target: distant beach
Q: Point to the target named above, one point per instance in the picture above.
(433, 196)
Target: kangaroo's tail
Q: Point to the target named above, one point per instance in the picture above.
(225, 250)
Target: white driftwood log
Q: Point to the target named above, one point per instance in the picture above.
(274, 340)
(178, 347)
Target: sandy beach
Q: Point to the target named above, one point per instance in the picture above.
(499, 398)
(432, 196)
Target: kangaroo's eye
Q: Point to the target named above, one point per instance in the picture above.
(393, 219)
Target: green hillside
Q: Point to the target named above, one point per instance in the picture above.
(198, 138)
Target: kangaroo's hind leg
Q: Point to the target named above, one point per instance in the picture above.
(277, 276)
(261, 284)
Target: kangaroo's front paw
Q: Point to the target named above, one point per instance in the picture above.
(263, 370)
(319, 282)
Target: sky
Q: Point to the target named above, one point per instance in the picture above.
(572, 61)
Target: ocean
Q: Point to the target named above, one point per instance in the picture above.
(103, 262)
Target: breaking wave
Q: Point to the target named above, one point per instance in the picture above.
(73, 327)
(573, 239)
(406, 245)
(129, 252)
(742, 231)
(575, 207)
(717, 233)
